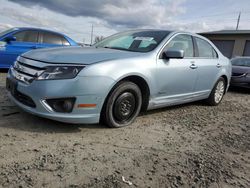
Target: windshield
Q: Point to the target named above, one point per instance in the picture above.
(6, 31)
(135, 41)
(241, 62)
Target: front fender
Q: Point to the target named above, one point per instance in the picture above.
(117, 70)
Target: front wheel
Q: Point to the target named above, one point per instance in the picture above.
(217, 93)
(123, 105)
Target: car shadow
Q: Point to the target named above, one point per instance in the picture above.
(14, 118)
(3, 70)
(242, 90)
(18, 119)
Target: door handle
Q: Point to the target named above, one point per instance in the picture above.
(193, 66)
(218, 65)
(34, 47)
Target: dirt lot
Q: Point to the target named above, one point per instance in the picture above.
(184, 146)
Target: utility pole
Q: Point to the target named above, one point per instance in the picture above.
(238, 21)
(91, 40)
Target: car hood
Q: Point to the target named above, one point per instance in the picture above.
(78, 55)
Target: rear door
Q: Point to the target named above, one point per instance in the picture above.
(208, 65)
(25, 41)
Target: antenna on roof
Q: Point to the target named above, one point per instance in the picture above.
(238, 21)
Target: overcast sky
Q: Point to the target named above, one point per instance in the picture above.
(75, 17)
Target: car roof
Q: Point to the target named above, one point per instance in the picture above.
(169, 31)
(34, 28)
(150, 30)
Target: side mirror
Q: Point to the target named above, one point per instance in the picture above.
(179, 54)
(10, 38)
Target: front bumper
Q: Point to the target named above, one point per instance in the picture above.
(86, 90)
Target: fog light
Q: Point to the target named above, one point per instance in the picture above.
(64, 105)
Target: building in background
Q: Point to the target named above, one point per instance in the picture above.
(231, 43)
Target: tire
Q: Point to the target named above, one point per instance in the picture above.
(122, 105)
(217, 93)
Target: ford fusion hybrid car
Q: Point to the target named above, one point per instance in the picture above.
(115, 79)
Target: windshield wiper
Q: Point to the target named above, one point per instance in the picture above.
(117, 48)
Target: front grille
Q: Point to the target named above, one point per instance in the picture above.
(26, 73)
(11, 86)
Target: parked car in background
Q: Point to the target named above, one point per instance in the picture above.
(15, 41)
(241, 72)
(115, 79)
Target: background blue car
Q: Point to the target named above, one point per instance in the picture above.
(16, 41)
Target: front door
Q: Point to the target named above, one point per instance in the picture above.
(177, 77)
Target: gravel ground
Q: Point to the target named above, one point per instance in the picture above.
(183, 146)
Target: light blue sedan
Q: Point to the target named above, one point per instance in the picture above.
(118, 77)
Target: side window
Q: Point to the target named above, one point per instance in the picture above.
(26, 36)
(182, 42)
(51, 38)
(205, 49)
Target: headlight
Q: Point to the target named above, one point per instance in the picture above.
(60, 72)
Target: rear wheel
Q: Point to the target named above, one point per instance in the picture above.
(217, 93)
(123, 105)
